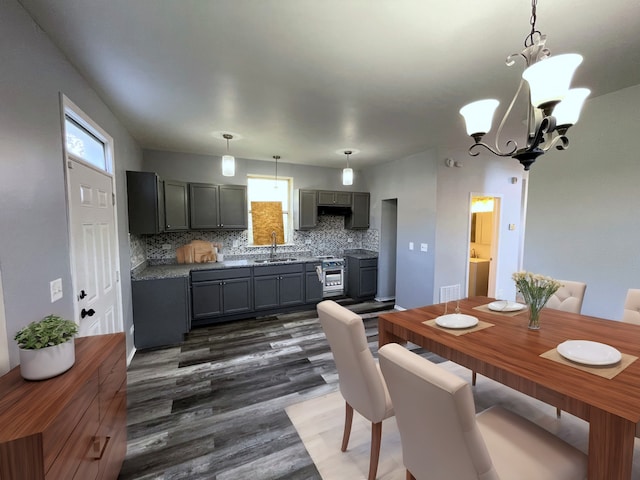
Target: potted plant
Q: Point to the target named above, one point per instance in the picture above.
(46, 347)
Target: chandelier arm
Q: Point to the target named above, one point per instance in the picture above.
(497, 152)
(561, 139)
(504, 121)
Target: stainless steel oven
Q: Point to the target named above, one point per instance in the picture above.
(332, 276)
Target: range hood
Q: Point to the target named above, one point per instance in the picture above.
(329, 210)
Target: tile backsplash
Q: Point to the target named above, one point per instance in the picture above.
(328, 238)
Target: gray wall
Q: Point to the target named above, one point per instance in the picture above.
(484, 174)
(412, 181)
(189, 167)
(582, 219)
(34, 235)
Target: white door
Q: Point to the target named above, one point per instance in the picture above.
(93, 244)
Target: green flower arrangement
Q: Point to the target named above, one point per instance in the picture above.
(50, 331)
(536, 290)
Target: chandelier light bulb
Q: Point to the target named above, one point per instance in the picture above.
(347, 176)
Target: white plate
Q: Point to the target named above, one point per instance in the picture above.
(456, 320)
(505, 306)
(589, 353)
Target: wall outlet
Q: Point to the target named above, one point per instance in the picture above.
(131, 330)
(349, 240)
(166, 246)
(235, 243)
(424, 247)
(410, 245)
(56, 289)
(307, 242)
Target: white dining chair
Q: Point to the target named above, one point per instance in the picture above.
(442, 437)
(568, 297)
(632, 307)
(361, 382)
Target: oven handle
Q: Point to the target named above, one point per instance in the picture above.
(319, 272)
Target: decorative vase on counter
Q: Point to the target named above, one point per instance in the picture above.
(536, 290)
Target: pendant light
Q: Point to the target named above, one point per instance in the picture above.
(228, 162)
(347, 173)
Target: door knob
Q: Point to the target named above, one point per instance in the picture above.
(82, 294)
(87, 313)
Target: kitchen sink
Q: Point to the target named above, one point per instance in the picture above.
(276, 260)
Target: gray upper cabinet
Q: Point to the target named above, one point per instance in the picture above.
(203, 206)
(218, 206)
(145, 199)
(233, 206)
(334, 199)
(176, 206)
(305, 209)
(359, 218)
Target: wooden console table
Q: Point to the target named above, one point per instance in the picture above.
(72, 426)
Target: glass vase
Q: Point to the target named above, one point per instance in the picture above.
(534, 317)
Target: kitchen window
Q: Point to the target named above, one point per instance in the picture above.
(261, 188)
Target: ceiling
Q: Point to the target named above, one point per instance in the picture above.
(308, 79)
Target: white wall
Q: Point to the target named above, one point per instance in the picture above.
(34, 236)
(582, 221)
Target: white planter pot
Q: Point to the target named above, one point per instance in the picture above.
(47, 362)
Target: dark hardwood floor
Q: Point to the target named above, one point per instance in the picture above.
(213, 407)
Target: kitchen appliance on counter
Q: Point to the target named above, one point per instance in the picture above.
(333, 279)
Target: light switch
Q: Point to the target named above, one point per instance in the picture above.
(410, 245)
(424, 247)
(166, 246)
(512, 226)
(56, 289)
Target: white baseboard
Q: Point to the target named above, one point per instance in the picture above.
(384, 299)
(130, 356)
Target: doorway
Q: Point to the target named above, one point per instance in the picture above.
(92, 224)
(387, 256)
(484, 220)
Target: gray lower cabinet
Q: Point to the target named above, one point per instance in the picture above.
(362, 277)
(220, 292)
(313, 285)
(161, 313)
(278, 286)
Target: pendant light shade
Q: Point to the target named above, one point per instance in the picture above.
(549, 79)
(347, 176)
(347, 173)
(568, 110)
(478, 116)
(228, 161)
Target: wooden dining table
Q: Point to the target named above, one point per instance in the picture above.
(510, 353)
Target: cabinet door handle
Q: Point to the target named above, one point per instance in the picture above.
(87, 313)
(98, 446)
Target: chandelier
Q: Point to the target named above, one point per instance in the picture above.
(552, 108)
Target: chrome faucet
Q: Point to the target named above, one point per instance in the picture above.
(274, 245)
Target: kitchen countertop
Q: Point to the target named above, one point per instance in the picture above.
(175, 270)
(361, 254)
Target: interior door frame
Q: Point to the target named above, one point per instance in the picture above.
(495, 244)
(67, 107)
